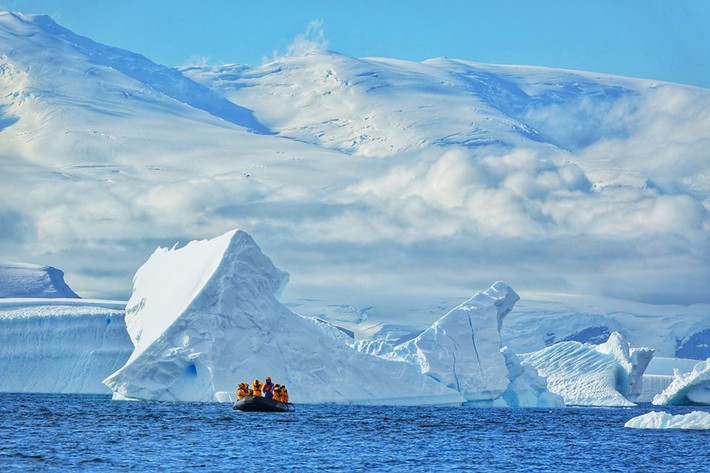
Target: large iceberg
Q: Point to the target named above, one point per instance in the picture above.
(692, 388)
(463, 351)
(20, 280)
(61, 345)
(205, 317)
(666, 420)
(609, 374)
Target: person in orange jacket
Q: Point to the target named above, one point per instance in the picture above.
(277, 392)
(243, 390)
(284, 394)
(256, 388)
(268, 388)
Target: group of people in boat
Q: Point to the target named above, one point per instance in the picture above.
(277, 392)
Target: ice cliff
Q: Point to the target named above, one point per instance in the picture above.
(28, 281)
(609, 374)
(205, 317)
(692, 388)
(60, 345)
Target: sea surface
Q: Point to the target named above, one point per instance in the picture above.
(93, 433)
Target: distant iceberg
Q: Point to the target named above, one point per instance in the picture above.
(609, 374)
(692, 388)
(463, 351)
(205, 317)
(665, 420)
(52, 341)
(20, 280)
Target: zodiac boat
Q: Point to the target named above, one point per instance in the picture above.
(262, 404)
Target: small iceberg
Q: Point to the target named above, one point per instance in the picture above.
(696, 420)
(609, 374)
(688, 389)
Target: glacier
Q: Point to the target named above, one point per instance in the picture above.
(674, 331)
(205, 317)
(691, 388)
(609, 374)
(696, 420)
(61, 345)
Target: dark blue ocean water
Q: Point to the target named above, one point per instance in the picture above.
(93, 433)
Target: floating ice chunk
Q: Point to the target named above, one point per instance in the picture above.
(206, 316)
(665, 420)
(692, 388)
(589, 375)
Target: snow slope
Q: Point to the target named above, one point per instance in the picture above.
(60, 345)
(494, 104)
(609, 374)
(205, 317)
(385, 184)
(32, 281)
(141, 79)
(665, 420)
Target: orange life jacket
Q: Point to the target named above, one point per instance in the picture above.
(243, 391)
(256, 387)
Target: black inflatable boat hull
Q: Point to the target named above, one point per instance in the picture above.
(261, 404)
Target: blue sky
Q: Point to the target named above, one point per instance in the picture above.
(657, 39)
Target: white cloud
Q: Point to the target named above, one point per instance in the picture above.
(312, 40)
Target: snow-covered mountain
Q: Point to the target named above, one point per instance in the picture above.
(385, 186)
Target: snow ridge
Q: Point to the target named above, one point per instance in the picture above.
(165, 80)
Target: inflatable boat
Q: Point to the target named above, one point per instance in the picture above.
(261, 404)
